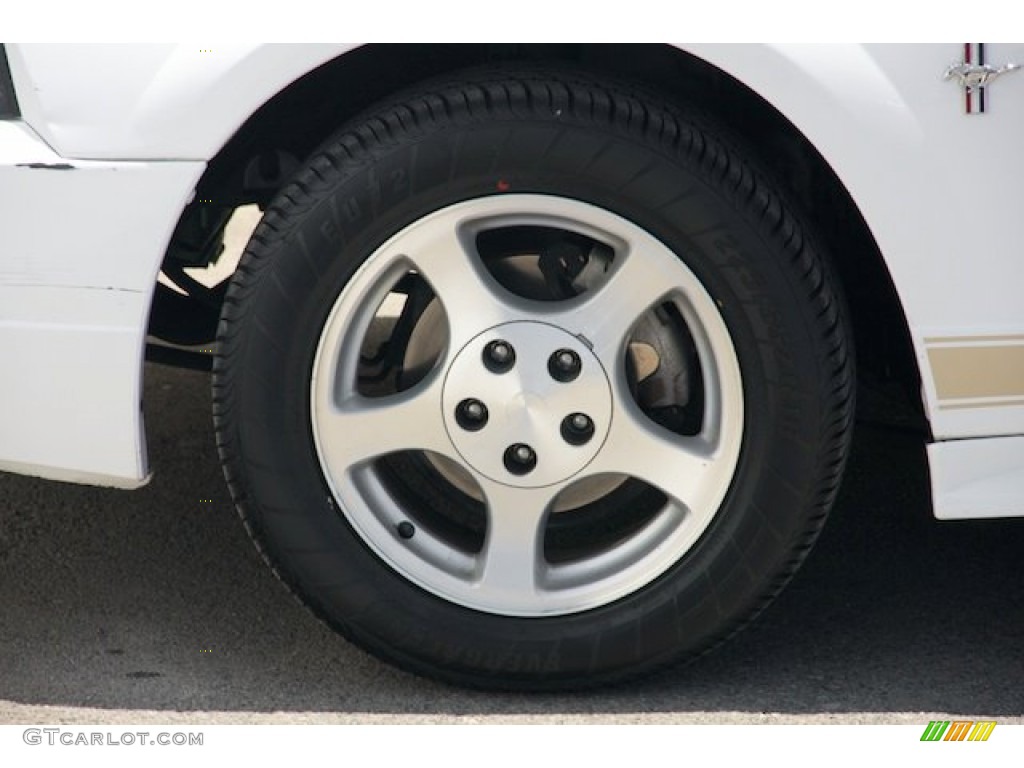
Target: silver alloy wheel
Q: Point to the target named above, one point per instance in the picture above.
(521, 459)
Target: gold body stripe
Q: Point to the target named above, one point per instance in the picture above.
(973, 339)
(970, 372)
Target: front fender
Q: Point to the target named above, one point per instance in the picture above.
(152, 102)
(940, 191)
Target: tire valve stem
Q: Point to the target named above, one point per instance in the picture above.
(406, 529)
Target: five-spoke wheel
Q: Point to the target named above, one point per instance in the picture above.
(529, 402)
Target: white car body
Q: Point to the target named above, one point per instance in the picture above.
(938, 188)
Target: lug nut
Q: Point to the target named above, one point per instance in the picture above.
(564, 365)
(406, 529)
(577, 428)
(471, 414)
(520, 459)
(499, 356)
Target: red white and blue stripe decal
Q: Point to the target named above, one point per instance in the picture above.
(974, 53)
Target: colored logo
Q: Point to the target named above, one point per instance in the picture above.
(958, 730)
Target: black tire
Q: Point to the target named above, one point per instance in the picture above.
(662, 167)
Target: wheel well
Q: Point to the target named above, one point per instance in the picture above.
(261, 155)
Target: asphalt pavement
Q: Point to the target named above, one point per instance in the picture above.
(153, 606)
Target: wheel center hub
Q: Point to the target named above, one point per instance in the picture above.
(527, 404)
